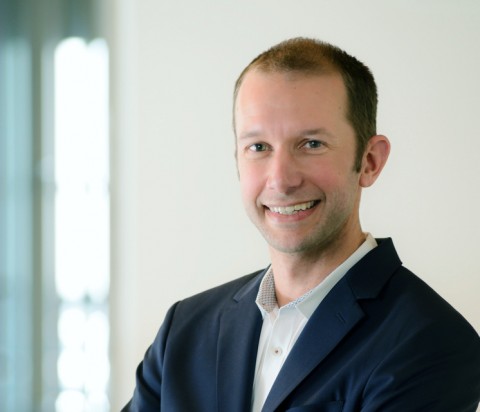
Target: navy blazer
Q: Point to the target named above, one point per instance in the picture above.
(381, 340)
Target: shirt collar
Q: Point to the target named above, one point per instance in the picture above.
(307, 303)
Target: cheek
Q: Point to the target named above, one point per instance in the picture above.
(327, 177)
(335, 171)
(344, 190)
(249, 183)
(335, 181)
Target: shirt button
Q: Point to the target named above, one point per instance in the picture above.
(277, 351)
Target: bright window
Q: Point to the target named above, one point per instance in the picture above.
(81, 235)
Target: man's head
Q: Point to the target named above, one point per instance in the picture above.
(309, 57)
(301, 161)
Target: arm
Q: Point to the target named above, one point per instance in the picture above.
(147, 394)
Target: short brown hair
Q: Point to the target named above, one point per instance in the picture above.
(314, 57)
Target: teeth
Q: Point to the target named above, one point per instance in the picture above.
(290, 210)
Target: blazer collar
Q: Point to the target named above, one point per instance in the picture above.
(337, 314)
(368, 277)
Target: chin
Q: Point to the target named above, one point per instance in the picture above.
(288, 246)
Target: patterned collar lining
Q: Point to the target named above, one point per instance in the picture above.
(266, 297)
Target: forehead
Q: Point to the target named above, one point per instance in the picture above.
(290, 94)
(270, 82)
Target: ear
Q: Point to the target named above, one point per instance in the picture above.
(374, 159)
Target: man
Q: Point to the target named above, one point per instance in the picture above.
(335, 323)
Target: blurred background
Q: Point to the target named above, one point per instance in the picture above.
(118, 187)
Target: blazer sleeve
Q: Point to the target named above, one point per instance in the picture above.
(436, 370)
(147, 394)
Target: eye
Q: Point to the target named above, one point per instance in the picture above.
(258, 147)
(313, 144)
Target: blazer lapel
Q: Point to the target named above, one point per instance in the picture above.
(239, 332)
(332, 320)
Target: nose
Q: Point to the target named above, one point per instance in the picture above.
(284, 174)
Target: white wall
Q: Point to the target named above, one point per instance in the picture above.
(178, 223)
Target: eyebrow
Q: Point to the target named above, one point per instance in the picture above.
(253, 133)
(315, 132)
(303, 133)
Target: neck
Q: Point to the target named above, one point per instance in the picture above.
(297, 273)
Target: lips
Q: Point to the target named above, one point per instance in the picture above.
(292, 209)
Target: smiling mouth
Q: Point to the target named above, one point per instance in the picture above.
(293, 209)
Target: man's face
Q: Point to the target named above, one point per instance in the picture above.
(295, 157)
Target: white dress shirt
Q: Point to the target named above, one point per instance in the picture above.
(282, 326)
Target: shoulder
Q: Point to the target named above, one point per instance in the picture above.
(227, 290)
(214, 299)
(422, 305)
(393, 297)
(382, 279)
(417, 342)
(430, 345)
